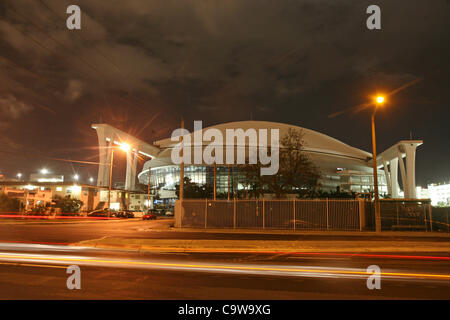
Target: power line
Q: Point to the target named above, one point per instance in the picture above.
(101, 54)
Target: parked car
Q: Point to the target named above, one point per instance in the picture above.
(72, 214)
(150, 215)
(125, 214)
(169, 213)
(137, 213)
(102, 213)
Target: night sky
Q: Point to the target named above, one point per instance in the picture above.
(143, 65)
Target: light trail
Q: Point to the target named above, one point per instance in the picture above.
(305, 271)
(40, 245)
(296, 253)
(31, 265)
(49, 217)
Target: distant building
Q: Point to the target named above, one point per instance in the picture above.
(32, 194)
(40, 177)
(439, 194)
(342, 166)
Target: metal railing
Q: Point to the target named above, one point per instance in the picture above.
(324, 214)
(311, 214)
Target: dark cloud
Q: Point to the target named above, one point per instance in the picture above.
(292, 61)
(12, 108)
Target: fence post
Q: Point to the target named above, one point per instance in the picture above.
(362, 214)
(206, 211)
(294, 216)
(425, 214)
(264, 223)
(234, 213)
(328, 224)
(431, 217)
(447, 221)
(396, 206)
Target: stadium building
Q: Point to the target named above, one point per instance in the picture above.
(341, 165)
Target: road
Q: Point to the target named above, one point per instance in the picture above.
(34, 258)
(70, 232)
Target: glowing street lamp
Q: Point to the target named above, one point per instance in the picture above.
(91, 180)
(44, 171)
(125, 147)
(379, 102)
(19, 175)
(76, 177)
(380, 99)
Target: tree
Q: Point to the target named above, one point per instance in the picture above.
(192, 190)
(296, 174)
(8, 204)
(68, 205)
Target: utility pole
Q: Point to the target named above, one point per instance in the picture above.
(182, 164)
(215, 173)
(375, 177)
(228, 183)
(148, 189)
(110, 180)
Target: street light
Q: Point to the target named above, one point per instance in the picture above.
(91, 180)
(379, 102)
(76, 177)
(44, 171)
(19, 175)
(125, 147)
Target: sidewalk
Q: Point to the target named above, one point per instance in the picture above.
(411, 234)
(183, 245)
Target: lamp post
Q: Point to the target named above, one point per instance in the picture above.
(379, 101)
(124, 147)
(182, 167)
(148, 190)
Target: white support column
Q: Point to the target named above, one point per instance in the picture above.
(128, 176)
(393, 166)
(410, 150)
(391, 158)
(104, 150)
(133, 171)
(110, 145)
(403, 172)
(388, 177)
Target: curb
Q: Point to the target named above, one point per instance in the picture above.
(259, 246)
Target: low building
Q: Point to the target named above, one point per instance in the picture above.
(29, 197)
(439, 194)
(32, 194)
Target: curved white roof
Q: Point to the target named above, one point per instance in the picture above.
(314, 141)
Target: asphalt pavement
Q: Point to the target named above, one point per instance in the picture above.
(34, 258)
(75, 231)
